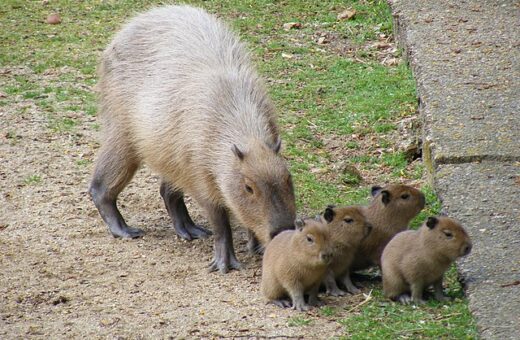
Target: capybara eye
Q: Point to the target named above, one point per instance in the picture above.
(405, 196)
(348, 220)
(249, 189)
(310, 239)
(448, 234)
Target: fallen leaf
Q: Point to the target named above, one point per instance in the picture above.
(391, 62)
(53, 19)
(287, 55)
(290, 25)
(322, 41)
(381, 45)
(347, 14)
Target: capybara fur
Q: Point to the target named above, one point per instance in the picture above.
(347, 226)
(390, 211)
(416, 259)
(177, 91)
(294, 264)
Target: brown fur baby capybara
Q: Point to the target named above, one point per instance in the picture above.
(178, 92)
(390, 211)
(416, 259)
(294, 264)
(347, 226)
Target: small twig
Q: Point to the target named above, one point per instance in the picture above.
(368, 298)
(443, 317)
(514, 283)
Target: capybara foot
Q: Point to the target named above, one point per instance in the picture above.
(126, 232)
(190, 231)
(283, 303)
(335, 291)
(224, 263)
(407, 300)
(301, 306)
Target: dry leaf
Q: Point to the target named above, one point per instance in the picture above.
(322, 41)
(287, 55)
(53, 19)
(391, 61)
(347, 14)
(290, 25)
(381, 45)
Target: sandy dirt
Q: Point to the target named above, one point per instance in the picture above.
(62, 275)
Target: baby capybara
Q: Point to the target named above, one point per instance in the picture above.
(294, 264)
(416, 259)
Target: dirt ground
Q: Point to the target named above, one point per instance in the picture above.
(63, 276)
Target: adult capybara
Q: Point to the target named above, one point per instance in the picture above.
(416, 259)
(178, 92)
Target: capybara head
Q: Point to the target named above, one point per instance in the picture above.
(260, 193)
(347, 225)
(402, 200)
(446, 237)
(312, 241)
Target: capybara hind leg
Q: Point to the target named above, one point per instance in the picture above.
(225, 258)
(253, 245)
(349, 285)
(182, 222)
(114, 169)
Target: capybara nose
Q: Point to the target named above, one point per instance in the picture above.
(467, 249)
(326, 257)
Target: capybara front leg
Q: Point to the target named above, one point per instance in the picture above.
(225, 258)
(330, 284)
(182, 222)
(349, 285)
(437, 289)
(113, 171)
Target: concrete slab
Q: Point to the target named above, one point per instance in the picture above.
(465, 58)
(485, 198)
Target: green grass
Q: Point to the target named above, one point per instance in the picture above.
(32, 180)
(298, 321)
(323, 93)
(382, 319)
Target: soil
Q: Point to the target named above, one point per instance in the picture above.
(63, 276)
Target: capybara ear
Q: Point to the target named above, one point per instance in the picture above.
(237, 152)
(299, 224)
(329, 213)
(432, 222)
(385, 197)
(278, 145)
(375, 190)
